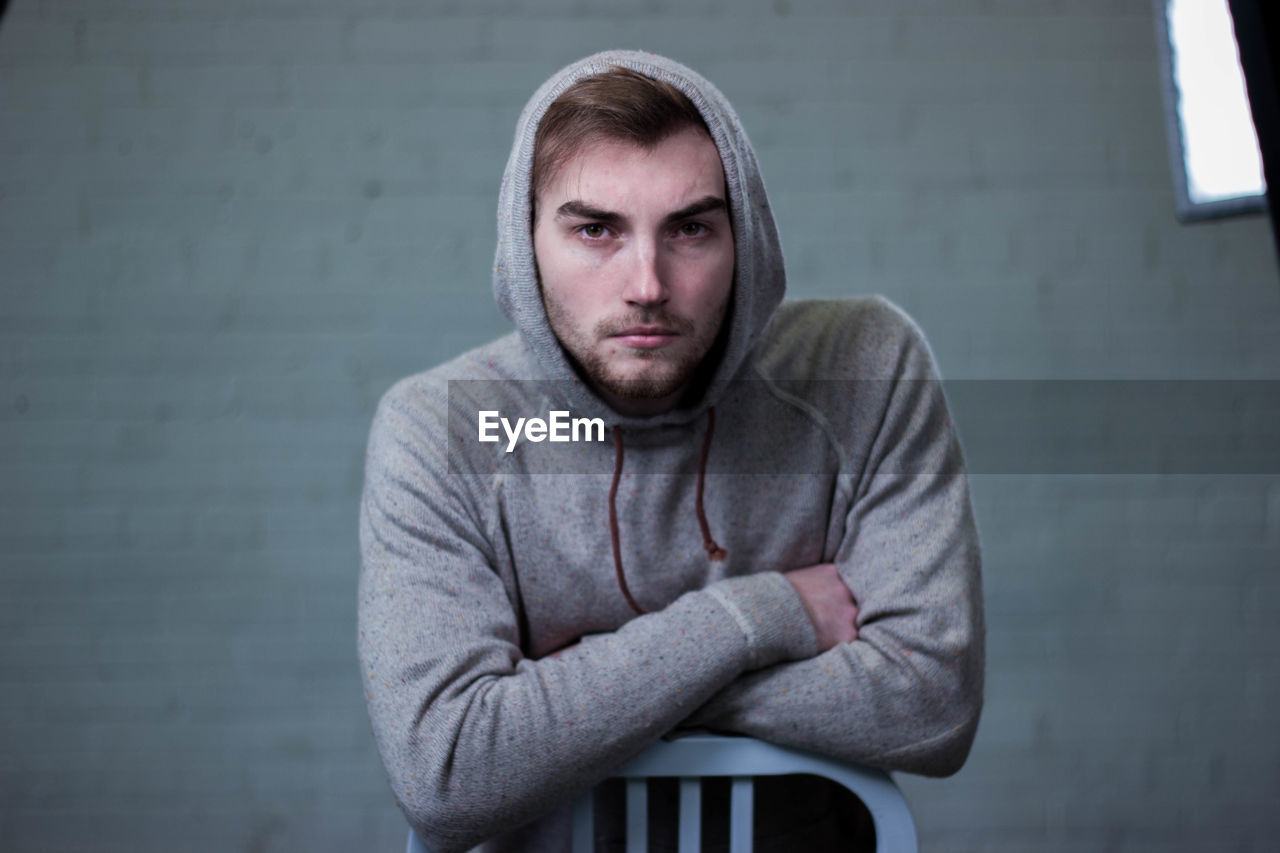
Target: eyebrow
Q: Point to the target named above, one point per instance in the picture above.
(582, 210)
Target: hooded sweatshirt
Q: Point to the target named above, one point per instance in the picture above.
(821, 434)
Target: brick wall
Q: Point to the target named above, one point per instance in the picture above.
(227, 227)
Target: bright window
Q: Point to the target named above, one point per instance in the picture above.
(1216, 162)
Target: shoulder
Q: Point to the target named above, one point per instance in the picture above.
(865, 337)
(426, 408)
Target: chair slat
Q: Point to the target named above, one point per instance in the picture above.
(740, 814)
(690, 814)
(584, 824)
(637, 816)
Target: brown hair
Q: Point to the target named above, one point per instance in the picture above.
(617, 104)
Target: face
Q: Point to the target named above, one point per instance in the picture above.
(635, 257)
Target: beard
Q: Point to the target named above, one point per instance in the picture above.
(665, 370)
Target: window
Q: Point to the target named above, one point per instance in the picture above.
(1217, 167)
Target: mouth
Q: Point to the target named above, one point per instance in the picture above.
(646, 337)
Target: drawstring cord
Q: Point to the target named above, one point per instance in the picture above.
(714, 551)
(613, 521)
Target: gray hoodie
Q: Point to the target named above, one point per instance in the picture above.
(821, 435)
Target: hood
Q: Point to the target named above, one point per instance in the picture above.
(759, 278)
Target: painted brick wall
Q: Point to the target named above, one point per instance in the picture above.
(226, 228)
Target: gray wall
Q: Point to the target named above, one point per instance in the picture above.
(227, 227)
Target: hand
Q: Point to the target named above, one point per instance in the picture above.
(829, 603)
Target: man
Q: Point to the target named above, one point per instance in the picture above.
(775, 539)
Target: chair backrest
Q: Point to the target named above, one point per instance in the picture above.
(695, 757)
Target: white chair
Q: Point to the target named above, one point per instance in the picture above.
(695, 757)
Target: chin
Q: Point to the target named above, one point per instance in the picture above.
(643, 385)
(641, 374)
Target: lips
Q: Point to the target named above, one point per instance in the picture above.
(646, 337)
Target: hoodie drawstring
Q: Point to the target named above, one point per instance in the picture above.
(613, 521)
(714, 551)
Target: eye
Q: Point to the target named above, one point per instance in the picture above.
(692, 229)
(593, 231)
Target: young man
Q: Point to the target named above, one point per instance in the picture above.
(774, 538)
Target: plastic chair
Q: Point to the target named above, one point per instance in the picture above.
(696, 756)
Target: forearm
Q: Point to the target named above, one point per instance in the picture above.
(478, 740)
(874, 701)
(907, 693)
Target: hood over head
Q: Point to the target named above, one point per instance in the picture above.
(759, 279)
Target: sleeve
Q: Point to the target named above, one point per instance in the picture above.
(906, 695)
(476, 739)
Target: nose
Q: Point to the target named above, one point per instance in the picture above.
(645, 284)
